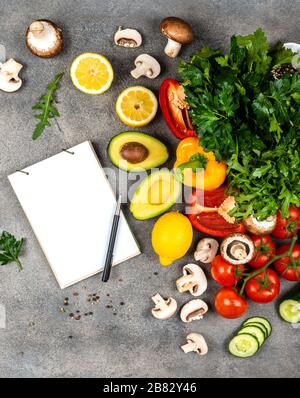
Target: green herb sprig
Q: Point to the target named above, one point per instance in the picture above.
(10, 249)
(250, 120)
(46, 104)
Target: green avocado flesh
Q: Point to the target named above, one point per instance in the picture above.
(134, 151)
(155, 195)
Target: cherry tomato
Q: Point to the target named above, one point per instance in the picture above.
(175, 113)
(224, 273)
(229, 303)
(287, 227)
(210, 223)
(264, 287)
(264, 250)
(289, 268)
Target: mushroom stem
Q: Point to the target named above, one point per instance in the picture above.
(141, 70)
(37, 28)
(186, 283)
(157, 299)
(190, 347)
(172, 48)
(238, 251)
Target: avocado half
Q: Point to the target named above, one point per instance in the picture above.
(155, 195)
(141, 151)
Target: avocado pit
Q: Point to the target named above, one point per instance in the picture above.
(134, 152)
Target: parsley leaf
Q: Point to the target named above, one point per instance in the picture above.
(249, 120)
(10, 249)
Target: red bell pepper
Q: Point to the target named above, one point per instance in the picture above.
(175, 110)
(211, 223)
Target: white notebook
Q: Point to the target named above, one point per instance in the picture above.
(70, 206)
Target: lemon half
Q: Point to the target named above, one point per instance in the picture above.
(92, 73)
(136, 106)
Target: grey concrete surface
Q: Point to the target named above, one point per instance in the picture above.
(131, 343)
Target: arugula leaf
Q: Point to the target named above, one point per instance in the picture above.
(10, 249)
(46, 104)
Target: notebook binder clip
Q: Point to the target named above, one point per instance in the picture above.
(23, 172)
(70, 152)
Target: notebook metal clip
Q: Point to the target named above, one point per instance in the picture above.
(70, 152)
(23, 172)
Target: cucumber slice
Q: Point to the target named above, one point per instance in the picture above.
(290, 311)
(255, 331)
(262, 320)
(259, 325)
(243, 345)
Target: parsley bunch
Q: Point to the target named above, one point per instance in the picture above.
(10, 249)
(249, 119)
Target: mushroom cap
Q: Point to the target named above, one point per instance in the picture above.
(196, 343)
(150, 63)
(258, 227)
(194, 277)
(237, 243)
(194, 309)
(206, 250)
(164, 308)
(177, 29)
(47, 42)
(130, 38)
(9, 78)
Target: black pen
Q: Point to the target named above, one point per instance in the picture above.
(112, 240)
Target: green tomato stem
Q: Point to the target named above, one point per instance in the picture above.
(288, 253)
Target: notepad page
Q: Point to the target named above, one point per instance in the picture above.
(70, 206)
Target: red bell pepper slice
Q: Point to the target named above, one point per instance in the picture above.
(211, 223)
(173, 109)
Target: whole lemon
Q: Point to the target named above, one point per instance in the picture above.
(172, 236)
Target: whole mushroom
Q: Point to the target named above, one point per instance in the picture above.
(44, 38)
(178, 32)
(193, 280)
(145, 65)
(258, 227)
(237, 249)
(9, 76)
(193, 310)
(164, 308)
(206, 250)
(195, 343)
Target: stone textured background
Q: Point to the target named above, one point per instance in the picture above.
(36, 342)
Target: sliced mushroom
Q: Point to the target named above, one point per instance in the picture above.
(237, 249)
(9, 76)
(178, 32)
(193, 280)
(195, 343)
(44, 38)
(206, 250)
(193, 310)
(128, 38)
(164, 308)
(145, 66)
(258, 227)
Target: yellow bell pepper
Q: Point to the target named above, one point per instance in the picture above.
(198, 168)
